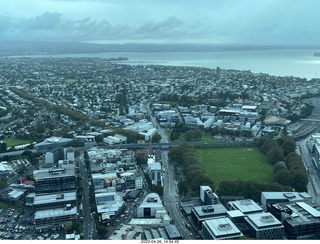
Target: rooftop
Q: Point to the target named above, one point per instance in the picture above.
(53, 173)
(210, 210)
(263, 220)
(246, 206)
(51, 198)
(222, 227)
(52, 213)
(290, 196)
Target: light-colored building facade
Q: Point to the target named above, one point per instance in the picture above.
(220, 229)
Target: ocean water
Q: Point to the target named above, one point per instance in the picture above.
(298, 63)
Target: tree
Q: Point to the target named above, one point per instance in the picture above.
(22, 168)
(175, 154)
(174, 135)
(282, 176)
(197, 134)
(141, 160)
(101, 230)
(275, 154)
(99, 138)
(267, 145)
(189, 136)
(183, 187)
(76, 226)
(158, 189)
(299, 180)
(156, 138)
(3, 147)
(289, 145)
(68, 226)
(3, 183)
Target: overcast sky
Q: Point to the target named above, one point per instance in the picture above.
(164, 21)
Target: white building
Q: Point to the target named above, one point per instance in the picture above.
(5, 168)
(139, 183)
(154, 171)
(220, 229)
(116, 139)
(150, 205)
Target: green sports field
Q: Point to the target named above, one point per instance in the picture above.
(235, 163)
(14, 142)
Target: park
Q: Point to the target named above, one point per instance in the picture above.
(237, 163)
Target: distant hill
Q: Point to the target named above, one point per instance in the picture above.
(317, 55)
(13, 48)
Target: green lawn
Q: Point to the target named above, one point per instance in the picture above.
(235, 163)
(11, 142)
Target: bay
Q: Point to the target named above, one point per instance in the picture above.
(283, 62)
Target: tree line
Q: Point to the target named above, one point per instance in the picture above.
(185, 157)
(288, 167)
(248, 189)
(57, 108)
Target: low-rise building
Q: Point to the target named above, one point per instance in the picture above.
(264, 226)
(54, 218)
(202, 213)
(299, 219)
(220, 229)
(246, 206)
(150, 205)
(279, 197)
(50, 201)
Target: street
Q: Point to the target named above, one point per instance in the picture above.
(89, 228)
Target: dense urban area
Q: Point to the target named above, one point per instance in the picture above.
(95, 148)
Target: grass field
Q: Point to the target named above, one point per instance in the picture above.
(235, 163)
(11, 142)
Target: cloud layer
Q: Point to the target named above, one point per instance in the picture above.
(233, 21)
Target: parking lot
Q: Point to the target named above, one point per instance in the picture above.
(16, 224)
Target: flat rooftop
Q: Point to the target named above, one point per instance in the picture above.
(263, 220)
(290, 196)
(210, 210)
(222, 227)
(56, 173)
(52, 213)
(55, 198)
(246, 206)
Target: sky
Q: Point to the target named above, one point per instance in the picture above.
(264, 22)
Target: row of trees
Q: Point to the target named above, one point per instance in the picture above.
(57, 108)
(288, 167)
(248, 189)
(185, 156)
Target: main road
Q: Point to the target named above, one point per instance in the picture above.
(171, 197)
(89, 228)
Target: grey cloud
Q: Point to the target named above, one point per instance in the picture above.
(52, 26)
(47, 20)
